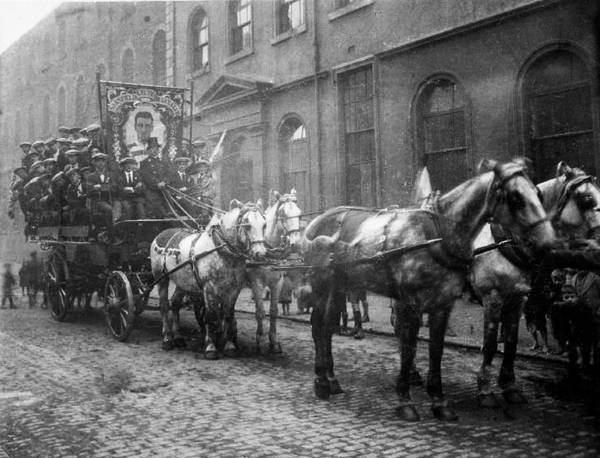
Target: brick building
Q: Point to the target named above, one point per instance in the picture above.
(347, 99)
(48, 77)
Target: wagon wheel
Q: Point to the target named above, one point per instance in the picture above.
(119, 306)
(56, 287)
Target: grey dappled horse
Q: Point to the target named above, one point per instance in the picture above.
(215, 276)
(424, 280)
(502, 278)
(282, 233)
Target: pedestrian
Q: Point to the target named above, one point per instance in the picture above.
(285, 293)
(8, 282)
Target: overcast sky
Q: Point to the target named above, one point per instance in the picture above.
(18, 17)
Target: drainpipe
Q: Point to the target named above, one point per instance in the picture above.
(317, 58)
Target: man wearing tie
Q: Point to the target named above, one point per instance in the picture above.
(101, 189)
(182, 182)
(131, 203)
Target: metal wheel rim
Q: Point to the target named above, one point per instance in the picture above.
(119, 307)
(57, 295)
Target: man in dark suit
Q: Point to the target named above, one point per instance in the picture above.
(101, 188)
(181, 181)
(130, 192)
(155, 174)
(74, 199)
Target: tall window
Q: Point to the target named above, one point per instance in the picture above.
(61, 110)
(31, 122)
(558, 113)
(359, 136)
(199, 40)
(127, 66)
(441, 133)
(290, 15)
(240, 20)
(236, 178)
(46, 115)
(294, 158)
(159, 58)
(80, 100)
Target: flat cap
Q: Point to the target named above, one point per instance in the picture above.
(97, 156)
(63, 140)
(63, 129)
(71, 152)
(75, 129)
(80, 142)
(128, 160)
(87, 168)
(72, 171)
(182, 159)
(198, 142)
(36, 164)
(19, 169)
(49, 160)
(32, 153)
(49, 141)
(24, 144)
(38, 143)
(58, 176)
(93, 127)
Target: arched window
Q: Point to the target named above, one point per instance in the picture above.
(159, 58)
(557, 102)
(294, 158)
(199, 40)
(240, 25)
(80, 100)
(236, 178)
(18, 138)
(441, 133)
(46, 115)
(127, 69)
(61, 110)
(31, 122)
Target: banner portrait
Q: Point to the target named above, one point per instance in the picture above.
(134, 113)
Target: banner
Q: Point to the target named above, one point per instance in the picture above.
(134, 113)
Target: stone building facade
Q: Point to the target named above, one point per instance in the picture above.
(48, 77)
(347, 99)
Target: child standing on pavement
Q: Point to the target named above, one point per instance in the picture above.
(8, 282)
(285, 293)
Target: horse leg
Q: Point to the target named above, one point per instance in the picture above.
(407, 323)
(274, 345)
(492, 307)
(163, 303)
(213, 321)
(332, 312)
(230, 348)
(257, 294)
(200, 312)
(506, 379)
(176, 304)
(317, 320)
(438, 323)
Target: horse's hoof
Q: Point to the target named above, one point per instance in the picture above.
(415, 379)
(444, 413)
(488, 400)
(275, 348)
(514, 397)
(408, 413)
(229, 351)
(322, 390)
(167, 345)
(179, 342)
(335, 387)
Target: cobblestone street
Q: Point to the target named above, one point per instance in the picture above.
(68, 389)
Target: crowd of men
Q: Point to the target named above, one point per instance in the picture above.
(70, 180)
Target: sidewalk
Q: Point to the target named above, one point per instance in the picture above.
(465, 329)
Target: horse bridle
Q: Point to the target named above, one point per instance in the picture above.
(497, 189)
(281, 218)
(567, 194)
(239, 225)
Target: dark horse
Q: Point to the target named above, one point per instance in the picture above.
(424, 275)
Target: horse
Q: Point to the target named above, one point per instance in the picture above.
(210, 266)
(502, 278)
(282, 234)
(420, 258)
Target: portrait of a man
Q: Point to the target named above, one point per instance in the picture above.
(143, 122)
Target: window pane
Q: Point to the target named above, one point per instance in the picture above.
(203, 36)
(247, 36)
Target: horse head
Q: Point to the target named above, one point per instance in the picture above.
(245, 223)
(514, 202)
(573, 201)
(288, 219)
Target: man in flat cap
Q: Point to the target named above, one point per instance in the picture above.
(181, 181)
(85, 154)
(199, 150)
(64, 144)
(94, 136)
(39, 147)
(50, 166)
(32, 156)
(155, 175)
(63, 132)
(101, 187)
(73, 159)
(25, 147)
(51, 148)
(202, 185)
(131, 203)
(74, 210)
(75, 133)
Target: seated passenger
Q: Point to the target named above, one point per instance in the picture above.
(30, 158)
(58, 185)
(74, 210)
(155, 175)
(130, 190)
(101, 189)
(181, 181)
(48, 210)
(72, 159)
(50, 166)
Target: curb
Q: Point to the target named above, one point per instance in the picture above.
(449, 342)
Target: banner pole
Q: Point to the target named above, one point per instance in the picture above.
(191, 119)
(102, 124)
